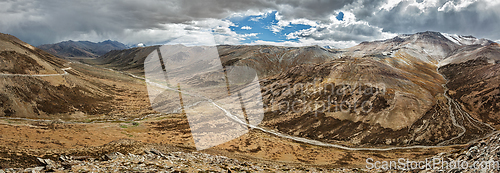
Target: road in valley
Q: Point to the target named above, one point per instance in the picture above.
(455, 110)
(39, 75)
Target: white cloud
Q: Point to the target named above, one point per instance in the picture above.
(281, 23)
(260, 16)
(307, 42)
(349, 29)
(249, 12)
(246, 27)
(250, 35)
(390, 4)
(450, 5)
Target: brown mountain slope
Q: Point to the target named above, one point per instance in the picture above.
(271, 60)
(130, 60)
(413, 110)
(35, 84)
(475, 83)
(20, 57)
(330, 108)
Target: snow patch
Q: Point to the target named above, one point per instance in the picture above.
(404, 36)
(464, 40)
(452, 37)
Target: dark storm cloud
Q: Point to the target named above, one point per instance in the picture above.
(40, 22)
(311, 9)
(480, 19)
(364, 8)
(355, 32)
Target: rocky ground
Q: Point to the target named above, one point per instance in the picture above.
(153, 145)
(160, 160)
(483, 151)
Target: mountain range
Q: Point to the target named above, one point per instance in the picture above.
(430, 88)
(425, 94)
(82, 48)
(407, 94)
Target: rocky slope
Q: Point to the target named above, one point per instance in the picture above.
(130, 60)
(474, 82)
(82, 48)
(479, 156)
(271, 60)
(36, 84)
(407, 102)
(141, 157)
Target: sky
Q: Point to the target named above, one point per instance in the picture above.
(338, 23)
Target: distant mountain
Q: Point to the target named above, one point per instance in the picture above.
(267, 60)
(329, 47)
(130, 60)
(82, 48)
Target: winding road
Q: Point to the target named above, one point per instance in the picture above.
(39, 75)
(452, 117)
(459, 111)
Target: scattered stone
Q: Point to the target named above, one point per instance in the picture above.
(49, 164)
(80, 157)
(153, 160)
(111, 156)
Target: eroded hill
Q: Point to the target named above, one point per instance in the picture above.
(35, 84)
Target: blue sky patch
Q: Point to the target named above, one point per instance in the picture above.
(262, 24)
(340, 16)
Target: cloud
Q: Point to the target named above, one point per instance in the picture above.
(246, 27)
(154, 22)
(250, 35)
(307, 42)
(39, 22)
(349, 29)
(465, 17)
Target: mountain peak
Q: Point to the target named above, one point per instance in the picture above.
(454, 38)
(109, 41)
(465, 40)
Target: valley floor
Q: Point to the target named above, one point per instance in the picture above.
(23, 142)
